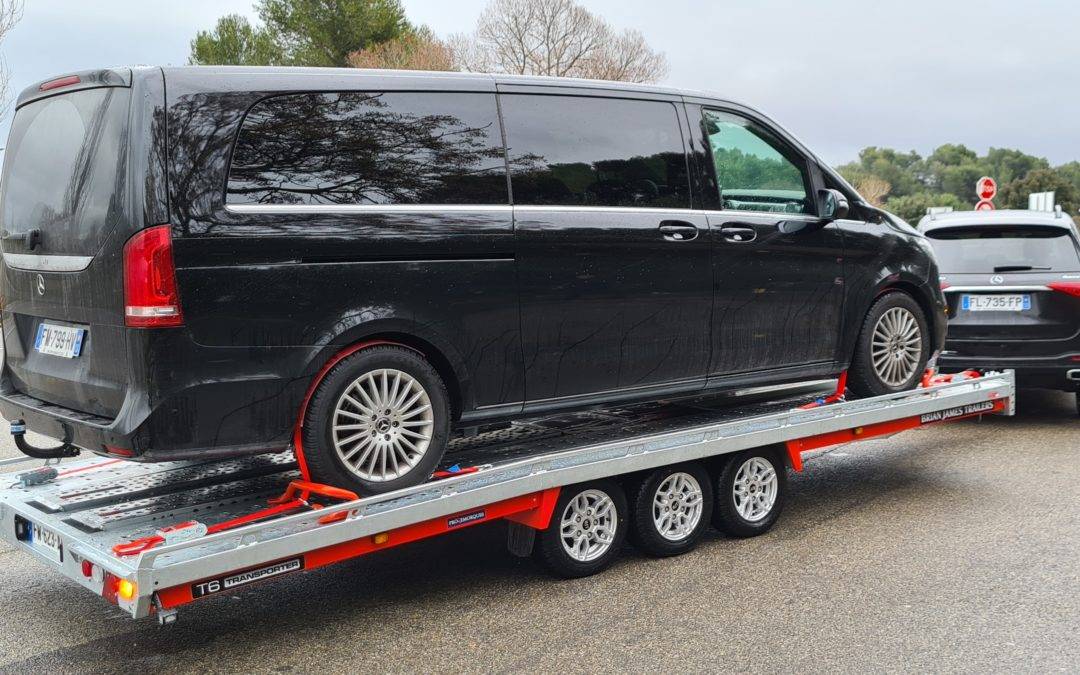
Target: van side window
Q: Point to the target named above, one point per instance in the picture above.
(585, 151)
(755, 170)
(370, 148)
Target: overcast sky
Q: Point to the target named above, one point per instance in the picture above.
(840, 74)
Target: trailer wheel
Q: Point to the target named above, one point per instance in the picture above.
(587, 530)
(671, 509)
(750, 493)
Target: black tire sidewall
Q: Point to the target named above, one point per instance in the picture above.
(726, 517)
(549, 548)
(324, 464)
(643, 533)
(863, 380)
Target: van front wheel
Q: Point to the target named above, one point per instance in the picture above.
(379, 421)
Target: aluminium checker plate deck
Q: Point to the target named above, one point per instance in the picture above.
(97, 503)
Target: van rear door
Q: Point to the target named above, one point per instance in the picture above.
(68, 199)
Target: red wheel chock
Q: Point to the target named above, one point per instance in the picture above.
(295, 497)
(838, 395)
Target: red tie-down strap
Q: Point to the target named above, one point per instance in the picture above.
(295, 497)
(298, 430)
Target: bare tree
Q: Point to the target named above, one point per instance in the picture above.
(419, 50)
(873, 189)
(555, 37)
(10, 13)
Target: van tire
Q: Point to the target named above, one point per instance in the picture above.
(863, 379)
(395, 429)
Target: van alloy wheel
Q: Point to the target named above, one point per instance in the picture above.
(896, 347)
(382, 425)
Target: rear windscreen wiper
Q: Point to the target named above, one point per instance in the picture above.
(1018, 268)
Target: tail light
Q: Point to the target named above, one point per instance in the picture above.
(150, 297)
(1070, 287)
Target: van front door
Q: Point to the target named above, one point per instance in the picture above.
(778, 272)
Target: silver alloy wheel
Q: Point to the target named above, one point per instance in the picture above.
(677, 506)
(382, 424)
(896, 346)
(755, 489)
(588, 524)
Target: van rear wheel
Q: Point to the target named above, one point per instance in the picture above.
(379, 421)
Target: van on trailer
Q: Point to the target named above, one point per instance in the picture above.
(204, 262)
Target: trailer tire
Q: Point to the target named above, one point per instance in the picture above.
(671, 509)
(750, 491)
(326, 454)
(581, 516)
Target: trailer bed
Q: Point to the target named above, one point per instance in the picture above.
(73, 522)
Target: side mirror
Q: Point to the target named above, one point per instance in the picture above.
(834, 205)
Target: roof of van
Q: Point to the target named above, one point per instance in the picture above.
(1002, 217)
(329, 78)
(333, 76)
(424, 77)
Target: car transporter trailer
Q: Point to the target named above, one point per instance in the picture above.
(153, 537)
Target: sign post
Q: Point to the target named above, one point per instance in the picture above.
(986, 190)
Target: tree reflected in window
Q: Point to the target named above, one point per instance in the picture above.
(366, 148)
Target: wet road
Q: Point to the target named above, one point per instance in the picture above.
(955, 548)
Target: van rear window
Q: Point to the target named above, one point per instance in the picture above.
(63, 169)
(1019, 248)
(370, 148)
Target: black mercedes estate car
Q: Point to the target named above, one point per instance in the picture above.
(1012, 279)
(202, 262)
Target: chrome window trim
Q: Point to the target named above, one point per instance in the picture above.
(735, 213)
(47, 263)
(528, 208)
(499, 208)
(363, 208)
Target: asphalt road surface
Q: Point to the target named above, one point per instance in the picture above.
(954, 548)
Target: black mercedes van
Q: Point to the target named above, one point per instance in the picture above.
(202, 262)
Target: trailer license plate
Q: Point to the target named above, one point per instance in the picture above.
(45, 542)
(996, 303)
(64, 341)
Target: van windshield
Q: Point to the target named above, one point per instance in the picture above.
(63, 171)
(1004, 248)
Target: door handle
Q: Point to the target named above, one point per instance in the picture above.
(738, 234)
(678, 230)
